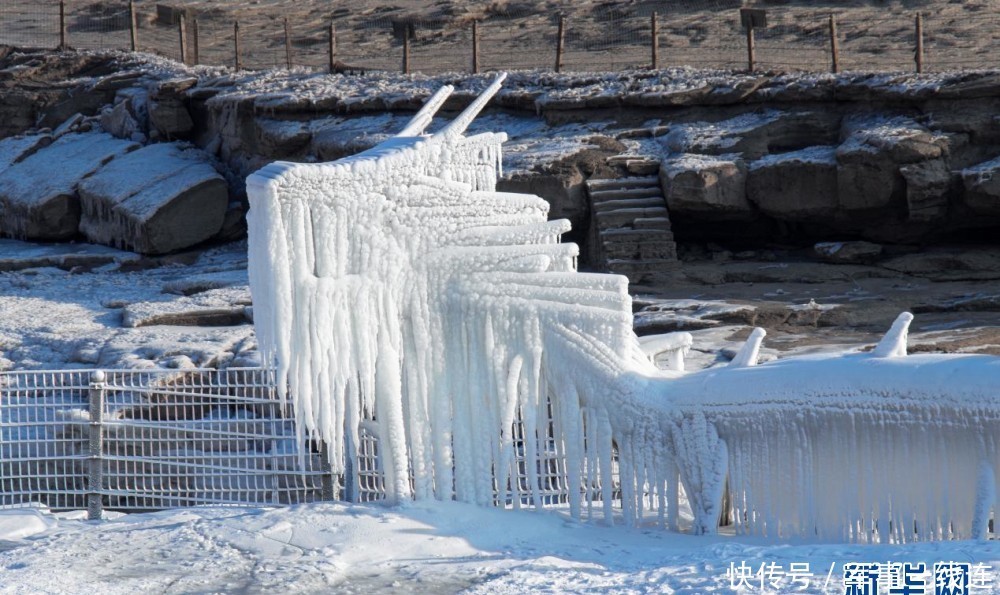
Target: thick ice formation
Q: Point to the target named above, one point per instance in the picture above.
(399, 295)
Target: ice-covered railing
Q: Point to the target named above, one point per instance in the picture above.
(398, 286)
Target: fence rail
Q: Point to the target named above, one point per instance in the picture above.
(646, 34)
(145, 440)
(140, 440)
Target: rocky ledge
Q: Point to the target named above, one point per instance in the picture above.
(742, 158)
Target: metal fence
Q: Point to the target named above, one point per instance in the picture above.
(146, 440)
(414, 35)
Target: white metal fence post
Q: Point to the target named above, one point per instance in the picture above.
(95, 476)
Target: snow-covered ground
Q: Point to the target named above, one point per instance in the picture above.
(423, 547)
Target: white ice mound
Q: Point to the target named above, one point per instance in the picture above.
(399, 295)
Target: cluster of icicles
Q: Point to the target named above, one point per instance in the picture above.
(399, 295)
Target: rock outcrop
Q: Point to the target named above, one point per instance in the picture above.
(154, 200)
(169, 117)
(912, 156)
(38, 195)
(795, 186)
(713, 187)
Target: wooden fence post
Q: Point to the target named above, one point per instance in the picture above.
(751, 57)
(182, 32)
(918, 55)
(475, 47)
(655, 45)
(236, 43)
(406, 50)
(560, 40)
(132, 28)
(196, 59)
(333, 46)
(62, 24)
(288, 46)
(834, 46)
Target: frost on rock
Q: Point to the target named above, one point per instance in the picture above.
(38, 194)
(400, 297)
(154, 200)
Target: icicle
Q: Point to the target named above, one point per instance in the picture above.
(401, 300)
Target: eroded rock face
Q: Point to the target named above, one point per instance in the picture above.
(710, 186)
(128, 118)
(38, 195)
(795, 186)
(869, 160)
(756, 134)
(563, 190)
(927, 189)
(168, 113)
(154, 200)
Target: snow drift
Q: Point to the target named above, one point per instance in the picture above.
(400, 296)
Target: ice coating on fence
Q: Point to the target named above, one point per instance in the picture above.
(400, 296)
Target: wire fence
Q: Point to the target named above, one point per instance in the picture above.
(147, 440)
(141, 440)
(605, 37)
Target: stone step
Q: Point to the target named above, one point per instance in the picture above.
(638, 165)
(652, 223)
(643, 167)
(640, 251)
(629, 203)
(616, 183)
(599, 196)
(636, 270)
(609, 220)
(622, 159)
(650, 132)
(644, 266)
(635, 235)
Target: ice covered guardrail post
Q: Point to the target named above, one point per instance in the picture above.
(400, 297)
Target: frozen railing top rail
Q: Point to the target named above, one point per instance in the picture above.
(399, 285)
(398, 150)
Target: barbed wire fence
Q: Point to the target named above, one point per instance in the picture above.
(653, 34)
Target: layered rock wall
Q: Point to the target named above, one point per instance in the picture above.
(743, 157)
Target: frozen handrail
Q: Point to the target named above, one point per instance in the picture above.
(399, 296)
(423, 118)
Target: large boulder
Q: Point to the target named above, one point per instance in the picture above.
(155, 200)
(15, 149)
(38, 195)
(795, 186)
(713, 187)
